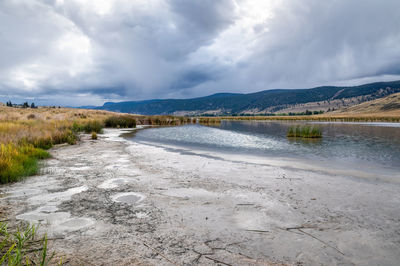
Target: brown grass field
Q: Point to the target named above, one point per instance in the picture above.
(26, 134)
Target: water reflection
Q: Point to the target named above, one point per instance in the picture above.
(353, 145)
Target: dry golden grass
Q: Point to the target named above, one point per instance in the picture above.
(387, 106)
(25, 133)
(17, 124)
(43, 124)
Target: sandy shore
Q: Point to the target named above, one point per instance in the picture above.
(116, 202)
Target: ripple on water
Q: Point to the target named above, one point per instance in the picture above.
(128, 197)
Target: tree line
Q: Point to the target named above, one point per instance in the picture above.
(24, 105)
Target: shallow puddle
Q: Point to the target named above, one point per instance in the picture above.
(129, 198)
(57, 197)
(77, 223)
(113, 183)
(38, 216)
(141, 215)
(48, 209)
(188, 193)
(25, 192)
(83, 168)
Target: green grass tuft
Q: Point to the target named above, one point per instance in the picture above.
(304, 132)
(18, 161)
(21, 247)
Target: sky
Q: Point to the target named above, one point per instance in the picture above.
(87, 52)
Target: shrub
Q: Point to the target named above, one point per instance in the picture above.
(93, 126)
(122, 121)
(94, 135)
(77, 127)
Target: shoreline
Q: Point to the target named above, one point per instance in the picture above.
(113, 201)
(366, 174)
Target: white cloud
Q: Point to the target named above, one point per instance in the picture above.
(122, 49)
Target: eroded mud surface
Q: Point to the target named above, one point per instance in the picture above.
(114, 202)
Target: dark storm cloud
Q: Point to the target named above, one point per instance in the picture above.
(192, 78)
(101, 50)
(321, 42)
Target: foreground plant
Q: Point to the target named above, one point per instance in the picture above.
(22, 247)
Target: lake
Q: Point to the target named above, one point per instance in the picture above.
(366, 147)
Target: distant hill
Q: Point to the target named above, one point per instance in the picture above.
(390, 105)
(269, 101)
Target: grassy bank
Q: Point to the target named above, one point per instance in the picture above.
(26, 134)
(17, 161)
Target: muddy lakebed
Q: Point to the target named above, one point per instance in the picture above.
(238, 194)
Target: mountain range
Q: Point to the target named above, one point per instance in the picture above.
(326, 98)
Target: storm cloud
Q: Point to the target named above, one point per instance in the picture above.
(82, 52)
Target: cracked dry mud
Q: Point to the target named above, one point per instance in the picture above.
(117, 202)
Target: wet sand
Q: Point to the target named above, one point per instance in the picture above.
(117, 202)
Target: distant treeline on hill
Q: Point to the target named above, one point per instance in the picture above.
(23, 105)
(307, 112)
(26, 105)
(268, 101)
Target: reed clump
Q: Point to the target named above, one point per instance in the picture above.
(21, 246)
(305, 131)
(166, 120)
(93, 126)
(94, 135)
(121, 121)
(209, 121)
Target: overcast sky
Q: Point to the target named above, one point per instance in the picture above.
(86, 52)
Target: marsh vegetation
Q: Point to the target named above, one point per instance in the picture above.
(26, 134)
(304, 131)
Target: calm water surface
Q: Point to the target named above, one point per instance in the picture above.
(373, 146)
